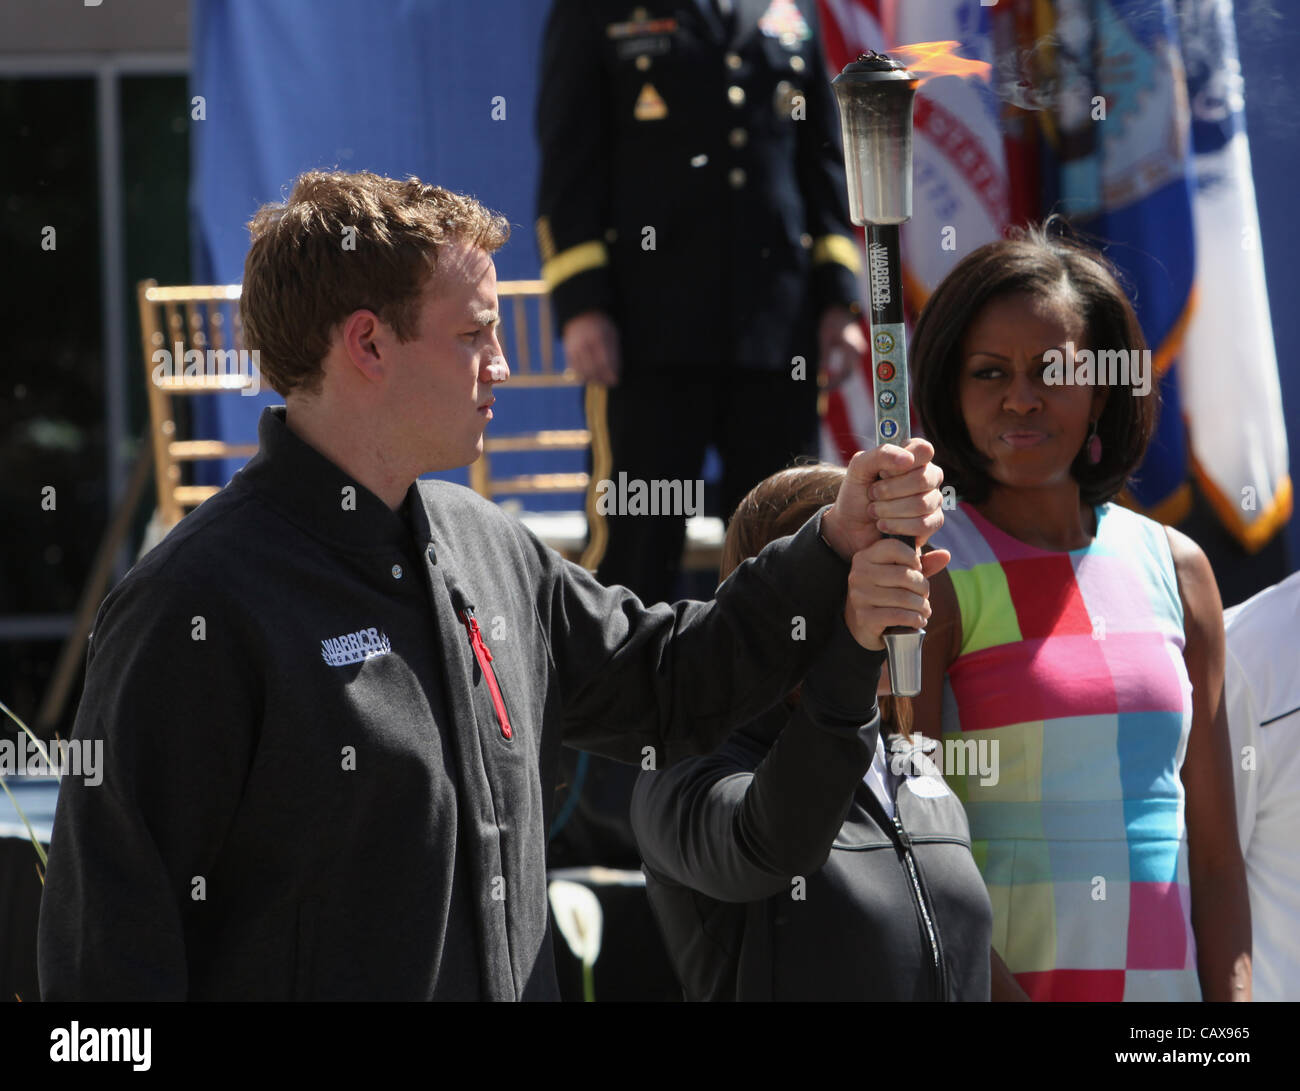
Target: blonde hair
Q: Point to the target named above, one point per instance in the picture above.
(776, 508)
(341, 243)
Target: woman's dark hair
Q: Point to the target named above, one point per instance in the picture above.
(1040, 262)
(777, 507)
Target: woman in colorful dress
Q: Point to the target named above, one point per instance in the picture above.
(1083, 641)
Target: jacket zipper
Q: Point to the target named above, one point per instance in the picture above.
(484, 657)
(936, 955)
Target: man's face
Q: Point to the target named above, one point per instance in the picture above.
(440, 384)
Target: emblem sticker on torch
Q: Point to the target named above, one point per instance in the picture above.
(890, 383)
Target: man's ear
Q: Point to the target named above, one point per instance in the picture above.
(360, 332)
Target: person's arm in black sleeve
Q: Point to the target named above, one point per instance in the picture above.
(573, 187)
(836, 253)
(172, 694)
(637, 683)
(711, 825)
(675, 679)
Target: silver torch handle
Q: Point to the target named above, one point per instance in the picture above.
(893, 415)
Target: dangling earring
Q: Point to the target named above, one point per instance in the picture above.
(1094, 445)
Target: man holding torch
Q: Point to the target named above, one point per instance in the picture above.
(319, 781)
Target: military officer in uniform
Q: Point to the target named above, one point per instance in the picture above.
(694, 233)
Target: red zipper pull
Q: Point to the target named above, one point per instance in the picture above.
(484, 656)
(476, 634)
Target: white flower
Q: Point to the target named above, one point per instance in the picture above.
(579, 918)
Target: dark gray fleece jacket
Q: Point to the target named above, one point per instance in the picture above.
(318, 782)
(776, 874)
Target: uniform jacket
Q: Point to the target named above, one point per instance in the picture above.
(317, 784)
(776, 874)
(725, 144)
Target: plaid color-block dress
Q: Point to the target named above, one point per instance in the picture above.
(1072, 663)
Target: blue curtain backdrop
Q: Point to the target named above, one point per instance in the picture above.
(394, 86)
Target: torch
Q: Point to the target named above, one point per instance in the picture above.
(875, 96)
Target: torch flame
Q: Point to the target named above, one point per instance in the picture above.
(930, 59)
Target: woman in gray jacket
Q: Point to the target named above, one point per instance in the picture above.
(819, 855)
